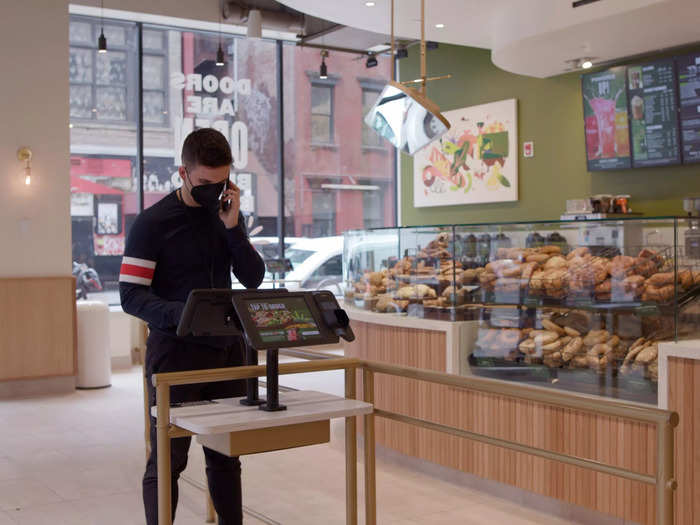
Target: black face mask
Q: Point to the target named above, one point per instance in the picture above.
(207, 195)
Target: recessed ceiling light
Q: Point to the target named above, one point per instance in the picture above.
(587, 64)
(439, 26)
(370, 4)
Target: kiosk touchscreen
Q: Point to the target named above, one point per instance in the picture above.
(268, 320)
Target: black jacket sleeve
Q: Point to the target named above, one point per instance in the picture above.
(246, 263)
(139, 264)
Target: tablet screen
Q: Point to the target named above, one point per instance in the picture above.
(282, 320)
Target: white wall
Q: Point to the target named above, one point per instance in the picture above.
(34, 220)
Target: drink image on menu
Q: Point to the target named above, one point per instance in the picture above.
(605, 115)
(689, 89)
(286, 320)
(653, 107)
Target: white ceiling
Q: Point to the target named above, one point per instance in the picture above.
(529, 37)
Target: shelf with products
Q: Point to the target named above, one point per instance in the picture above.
(632, 280)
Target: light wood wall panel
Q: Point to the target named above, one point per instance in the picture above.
(684, 398)
(611, 440)
(37, 339)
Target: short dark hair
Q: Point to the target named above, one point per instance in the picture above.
(206, 147)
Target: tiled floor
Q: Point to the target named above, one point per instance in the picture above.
(78, 459)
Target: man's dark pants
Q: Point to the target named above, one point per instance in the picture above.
(167, 354)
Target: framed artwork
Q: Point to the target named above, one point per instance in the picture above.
(475, 162)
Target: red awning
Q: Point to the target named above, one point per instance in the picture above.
(80, 185)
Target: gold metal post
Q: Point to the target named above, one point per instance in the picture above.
(665, 482)
(370, 474)
(350, 453)
(393, 57)
(211, 512)
(163, 443)
(423, 73)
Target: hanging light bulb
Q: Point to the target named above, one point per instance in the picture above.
(220, 56)
(24, 154)
(220, 52)
(323, 72)
(102, 41)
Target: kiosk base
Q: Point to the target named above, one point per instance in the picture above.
(273, 387)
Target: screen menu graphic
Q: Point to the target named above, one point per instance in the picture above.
(283, 320)
(653, 114)
(605, 116)
(689, 89)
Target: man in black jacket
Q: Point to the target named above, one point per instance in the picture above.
(185, 241)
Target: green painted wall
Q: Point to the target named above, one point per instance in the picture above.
(550, 113)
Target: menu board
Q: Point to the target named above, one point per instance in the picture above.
(653, 114)
(606, 124)
(689, 89)
(283, 320)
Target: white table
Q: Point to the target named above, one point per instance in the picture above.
(235, 430)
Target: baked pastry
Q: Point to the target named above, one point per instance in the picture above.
(555, 262)
(537, 257)
(621, 266)
(685, 278)
(552, 327)
(550, 249)
(661, 279)
(570, 331)
(648, 354)
(595, 337)
(582, 251)
(572, 348)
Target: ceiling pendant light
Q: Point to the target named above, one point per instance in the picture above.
(102, 41)
(220, 52)
(323, 72)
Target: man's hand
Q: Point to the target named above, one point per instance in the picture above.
(231, 193)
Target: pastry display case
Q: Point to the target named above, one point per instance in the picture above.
(578, 305)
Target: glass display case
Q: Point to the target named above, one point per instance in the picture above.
(580, 305)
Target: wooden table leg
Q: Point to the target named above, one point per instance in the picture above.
(146, 418)
(163, 443)
(350, 454)
(211, 511)
(370, 473)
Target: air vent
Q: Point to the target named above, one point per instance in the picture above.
(580, 3)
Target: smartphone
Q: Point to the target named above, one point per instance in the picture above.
(226, 204)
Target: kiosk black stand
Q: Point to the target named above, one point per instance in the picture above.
(268, 320)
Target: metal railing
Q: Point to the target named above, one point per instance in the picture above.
(664, 421)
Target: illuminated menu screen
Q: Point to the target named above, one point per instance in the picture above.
(606, 123)
(653, 114)
(689, 89)
(283, 320)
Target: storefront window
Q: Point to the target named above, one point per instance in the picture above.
(103, 137)
(337, 175)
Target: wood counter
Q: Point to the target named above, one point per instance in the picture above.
(434, 345)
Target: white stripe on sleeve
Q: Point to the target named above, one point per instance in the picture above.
(124, 278)
(143, 263)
